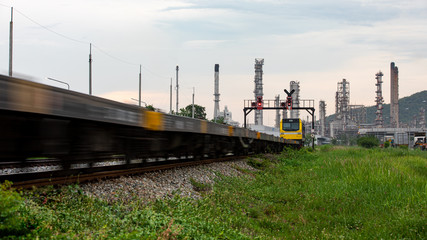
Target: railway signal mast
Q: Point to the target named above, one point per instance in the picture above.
(288, 105)
(263, 104)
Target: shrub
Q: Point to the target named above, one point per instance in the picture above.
(368, 142)
(10, 203)
(386, 144)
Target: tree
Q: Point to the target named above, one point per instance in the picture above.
(219, 120)
(199, 111)
(151, 108)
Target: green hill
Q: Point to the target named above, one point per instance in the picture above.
(408, 107)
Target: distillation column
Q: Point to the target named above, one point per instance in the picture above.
(295, 98)
(379, 121)
(259, 62)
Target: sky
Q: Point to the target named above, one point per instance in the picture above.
(317, 43)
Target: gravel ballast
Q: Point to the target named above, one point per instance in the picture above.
(163, 184)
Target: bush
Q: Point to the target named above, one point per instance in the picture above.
(386, 144)
(10, 205)
(368, 142)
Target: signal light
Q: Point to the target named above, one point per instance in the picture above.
(289, 103)
(259, 103)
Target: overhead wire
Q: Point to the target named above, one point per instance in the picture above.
(85, 42)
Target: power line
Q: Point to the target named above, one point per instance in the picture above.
(50, 30)
(85, 42)
(114, 57)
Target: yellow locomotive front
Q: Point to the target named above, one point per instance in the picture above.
(292, 129)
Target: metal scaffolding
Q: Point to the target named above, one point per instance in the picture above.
(379, 121)
(259, 62)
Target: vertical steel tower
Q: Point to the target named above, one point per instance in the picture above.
(216, 94)
(394, 97)
(379, 121)
(342, 102)
(259, 62)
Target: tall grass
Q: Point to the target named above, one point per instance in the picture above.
(336, 193)
(331, 193)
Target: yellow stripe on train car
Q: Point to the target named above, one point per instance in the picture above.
(153, 121)
(230, 131)
(203, 126)
(28, 98)
(258, 135)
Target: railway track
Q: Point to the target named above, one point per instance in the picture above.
(80, 175)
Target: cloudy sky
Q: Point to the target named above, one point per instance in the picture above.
(315, 42)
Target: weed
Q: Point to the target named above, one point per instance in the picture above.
(333, 193)
(259, 163)
(199, 186)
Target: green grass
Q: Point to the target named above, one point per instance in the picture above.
(331, 193)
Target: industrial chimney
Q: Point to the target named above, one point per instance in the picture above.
(394, 97)
(216, 94)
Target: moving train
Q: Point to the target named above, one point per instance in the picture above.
(41, 121)
(293, 131)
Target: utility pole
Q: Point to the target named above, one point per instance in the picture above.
(90, 69)
(170, 98)
(140, 85)
(192, 115)
(11, 42)
(177, 87)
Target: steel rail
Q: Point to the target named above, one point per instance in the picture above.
(37, 179)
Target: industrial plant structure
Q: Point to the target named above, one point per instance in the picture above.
(216, 93)
(394, 96)
(259, 62)
(379, 121)
(294, 85)
(322, 116)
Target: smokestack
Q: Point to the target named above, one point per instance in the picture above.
(177, 87)
(394, 96)
(322, 116)
(216, 93)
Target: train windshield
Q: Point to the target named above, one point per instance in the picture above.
(290, 124)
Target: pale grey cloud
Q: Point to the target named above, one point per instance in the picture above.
(315, 42)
